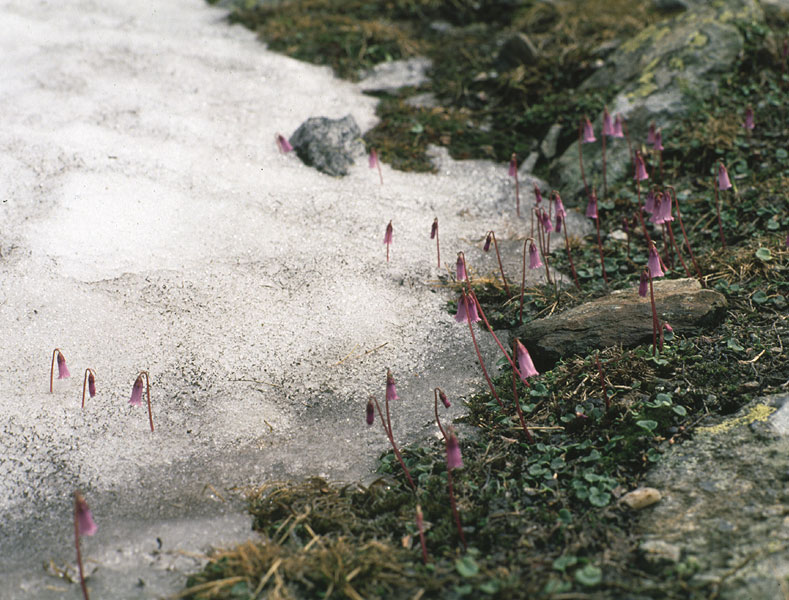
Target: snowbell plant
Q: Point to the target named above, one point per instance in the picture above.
(83, 525)
(136, 395)
(63, 372)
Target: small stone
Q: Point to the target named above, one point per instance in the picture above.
(641, 498)
(518, 49)
(658, 552)
(329, 145)
(548, 145)
(392, 75)
(618, 235)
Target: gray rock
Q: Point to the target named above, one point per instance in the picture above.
(659, 553)
(390, 76)
(657, 72)
(741, 531)
(548, 145)
(622, 318)
(672, 5)
(426, 100)
(329, 145)
(517, 49)
(776, 11)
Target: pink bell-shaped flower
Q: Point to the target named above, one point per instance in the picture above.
(136, 395)
(388, 233)
(443, 397)
(391, 391)
(488, 240)
(591, 207)
(513, 169)
(649, 202)
(723, 177)
(370, 412)
(618, 131)
(559, 205)
(471, 315)
(454, 458)
(460, 268)
(643, 284)
(373, 159)
(525, 364)
(588, 132)
(537, 194)
(558, 225)
(651, 133)
(91, 384)
(748, 118)
(545, 220)
(641, 168)
(653, 263)
(63, 372)
(534, 257)
(657, 144)
(283, 144)
(85, 523)
(434, 229)
(608, 127)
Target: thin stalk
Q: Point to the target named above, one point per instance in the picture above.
(380, 173)
(600, 249)
(541, 243)
(389, 435)
(523, 278)
(438, 247)
(605, 184)
(479, 354)
(685, 235)
(501, 268)
(420, 526)
(654, 316)
(490, 329)
(601, 375)
(581, 156)
(455, 508)
(517, 194)
(148, 394)
(676, 248)
(629, 146)
(515, 378)
(82, 583)
(718, 213)
(84, 382)
(569, 256)
(55, 352)
(438, 420)
(640, 217)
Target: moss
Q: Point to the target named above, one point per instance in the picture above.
(676, 63)
(698, 40)
(759, 412)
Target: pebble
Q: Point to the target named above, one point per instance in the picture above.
(641, 498)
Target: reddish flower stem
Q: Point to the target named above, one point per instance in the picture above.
(455, 507)
(438, 420)
(523, 278)
(605, 183)
(685, 235)
(629, 146)
(600, 247)
(541, 242)
(654, 316)
(517, 194)
(569, 257)
(601, 375)
(84, 383)
(501, 268)
(581, 156)
(676, 248)
(82, 583)
(490, 329)
(389, 435)
(420, 526)
(55, 353)
(515, 378)
(438, 248)
(718, 212)
(479, 354)
(640, 217)
(148, 394)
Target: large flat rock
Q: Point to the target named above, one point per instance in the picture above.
(622, 318)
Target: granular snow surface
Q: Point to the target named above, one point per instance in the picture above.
(149, 223)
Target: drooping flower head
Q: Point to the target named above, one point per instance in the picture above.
(651, 133)
(537, 194)
(488, 240)
(391, 391)
(649, 202)
(545, 220)
(85, 523)
(388, 234)
(91, 384)
(608, 127)
(723, 177)
(136, 395)
(525, 364)
(463, 314)
(434, 229)
(657, 144)
(513, 170)
(460, 267)
(653, 263)
(588, 132)
(283, 144)
(443, 397)
(373, 159)
(748, 118)
(643, 284)
(454, 458)
(641, 168)
(668, 327)
(63, 372)
(591, 207)
(618, 131)
(558, 225)
(558, 204)
(662, 209)
(370, 412)
(625, 225)
(534, 257)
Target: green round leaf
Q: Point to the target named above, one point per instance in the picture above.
(589, 576)
(647, 424)
(759, 297)
(561, 563)
(680, 410)
(466, 566)
(764, 254)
